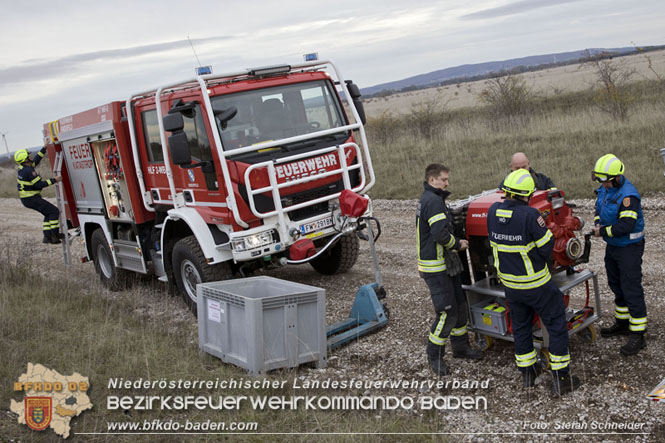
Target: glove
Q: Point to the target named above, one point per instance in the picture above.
(453, 262)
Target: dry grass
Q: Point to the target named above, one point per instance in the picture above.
(563, 135)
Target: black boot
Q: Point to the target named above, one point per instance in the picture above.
(530, 374)
(55, 239)
(618, 328)
(462, 348)
(435, 358)
(635, 344)
(47, 237)
(563, 382)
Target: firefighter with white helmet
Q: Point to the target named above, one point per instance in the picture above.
(619, 220)
(30, 184)
(521, 245)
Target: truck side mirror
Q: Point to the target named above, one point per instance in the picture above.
(178, 146)
(354, 91)
(173, 122)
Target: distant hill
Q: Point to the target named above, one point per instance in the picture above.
(473, 71)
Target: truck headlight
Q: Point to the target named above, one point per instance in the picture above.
(253, 241)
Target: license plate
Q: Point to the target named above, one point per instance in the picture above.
(316, 226)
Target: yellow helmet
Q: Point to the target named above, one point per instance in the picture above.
(519, 182)
(608, 166)
(21, 155)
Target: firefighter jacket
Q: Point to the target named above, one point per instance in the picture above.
(434, 230)
(29, 182)
(521, 244)
(619, 212)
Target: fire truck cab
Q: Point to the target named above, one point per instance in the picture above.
(218, 175)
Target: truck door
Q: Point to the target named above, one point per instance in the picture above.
(200, 184)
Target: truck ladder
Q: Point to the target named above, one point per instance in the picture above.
(60, 200)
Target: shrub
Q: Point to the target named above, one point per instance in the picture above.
(506, 96)
(429, 117)
(613, 97)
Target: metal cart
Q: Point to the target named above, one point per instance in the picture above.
(487, 323)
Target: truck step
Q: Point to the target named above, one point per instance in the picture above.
(129, 256)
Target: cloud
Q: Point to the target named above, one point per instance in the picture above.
(40, 69)
(514, 8)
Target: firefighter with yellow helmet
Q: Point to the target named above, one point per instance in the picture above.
(619, 220)
(521, 245)
(30, 185)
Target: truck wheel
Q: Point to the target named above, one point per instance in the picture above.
(190, 268)
(115, 279)
(338, 258)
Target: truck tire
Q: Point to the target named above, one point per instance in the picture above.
(338, 258)
(190, 268)
(114, 278)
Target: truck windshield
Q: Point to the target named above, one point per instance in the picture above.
(279, 112)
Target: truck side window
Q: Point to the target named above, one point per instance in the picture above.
(199, 145)
(151, 133)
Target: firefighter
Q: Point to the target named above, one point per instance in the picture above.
(30, 185)
(519, 160)
(440, 266)
(521, 245)
(619, 220)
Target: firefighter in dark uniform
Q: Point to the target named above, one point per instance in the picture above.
(619, 220)
(521, 245)
(30, 185)
(440, 266)
(519, 160)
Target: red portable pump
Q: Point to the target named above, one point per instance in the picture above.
(470, 220)
(558, 216)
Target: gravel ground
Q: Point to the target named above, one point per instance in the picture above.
(614, 387)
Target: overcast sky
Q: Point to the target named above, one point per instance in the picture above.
(62, 57)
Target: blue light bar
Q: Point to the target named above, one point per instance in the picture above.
(311, 57)
(203, 70)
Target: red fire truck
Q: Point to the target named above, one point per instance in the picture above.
(218, 175)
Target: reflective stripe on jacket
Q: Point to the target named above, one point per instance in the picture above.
(521, 244)
(434, 230)
(616, 208)
(29, 182)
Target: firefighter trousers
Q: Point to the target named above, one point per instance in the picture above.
(547, 302)
(49, 211)
(450, 307)
(624, 277)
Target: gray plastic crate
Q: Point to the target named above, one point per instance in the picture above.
(490, 315)
(263, 323)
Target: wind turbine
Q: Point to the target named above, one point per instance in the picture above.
(4, 140)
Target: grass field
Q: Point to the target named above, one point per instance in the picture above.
(563, 134)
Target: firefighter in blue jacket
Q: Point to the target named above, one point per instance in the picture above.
(440, 266)
(619, 220)
(521, 245)
(30, 185)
